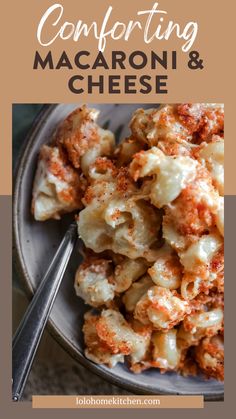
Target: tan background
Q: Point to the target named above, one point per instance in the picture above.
(21, 84)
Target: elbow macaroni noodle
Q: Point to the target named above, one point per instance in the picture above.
(152, 223)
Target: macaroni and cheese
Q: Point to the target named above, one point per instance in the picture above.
(152, 223)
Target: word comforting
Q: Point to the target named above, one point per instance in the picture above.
(152, 24)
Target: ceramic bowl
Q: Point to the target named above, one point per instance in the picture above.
(36, 242)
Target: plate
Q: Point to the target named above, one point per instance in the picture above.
(36, 243)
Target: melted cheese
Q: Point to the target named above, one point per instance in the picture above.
(201, 252)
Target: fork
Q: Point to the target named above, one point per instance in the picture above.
(32, 325)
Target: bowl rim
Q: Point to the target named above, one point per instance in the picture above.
(21, 268)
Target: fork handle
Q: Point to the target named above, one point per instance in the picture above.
(30, 330)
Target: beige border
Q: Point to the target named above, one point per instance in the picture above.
(20, 84)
